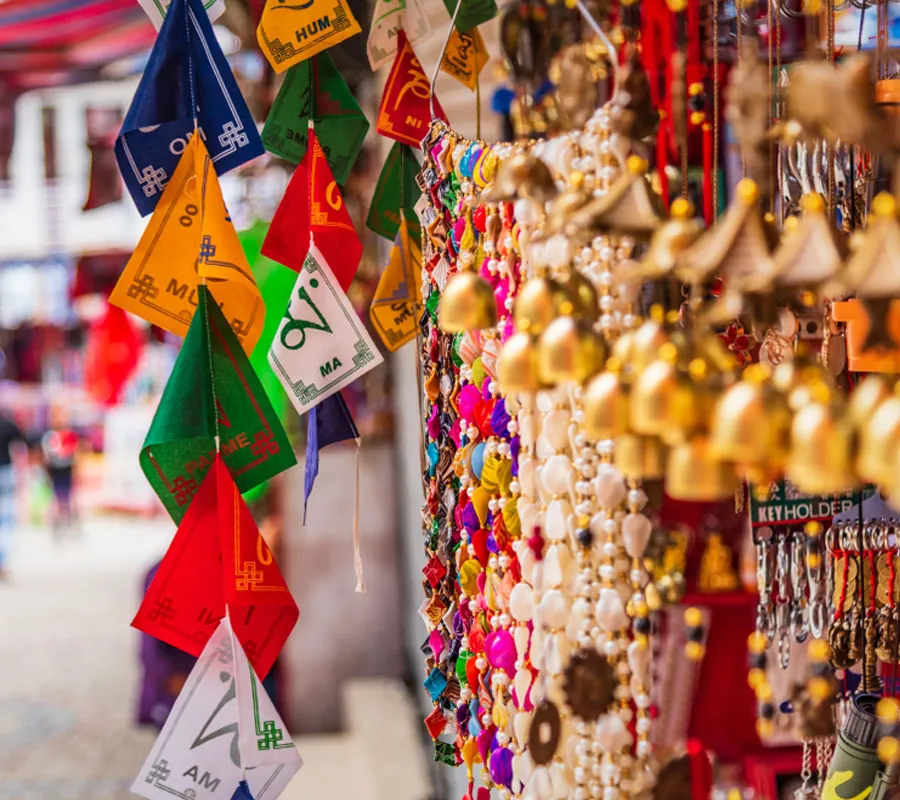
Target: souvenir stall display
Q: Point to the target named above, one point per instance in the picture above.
(626, 363)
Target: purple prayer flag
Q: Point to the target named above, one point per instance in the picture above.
(328, 422)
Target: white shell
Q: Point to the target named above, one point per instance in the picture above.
(556, 474)
(522, 724)
(556, 428)
(537, 646)
(527, 211)
(522, 684)
(543, 448)
(612, 733)
(528, 513)
(523, 767)
(527, 562)
(554, 609)
(557, 563)
(526, 478)
(636, 530)
(610, 612)
(639, 660)
(541, 784)
(609, 486)
(557, 654)
(522, 636)
(529, 428)
(556, 519)
(521, 602)
(562, 789)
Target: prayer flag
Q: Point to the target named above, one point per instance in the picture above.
(315, 91)
(395, 307)
(466, 57)
(396, 191)
(187, 86)
(388, 18)
(472, 12)
(157, 10)
(189, 238)
(212, 391)
(327, 423)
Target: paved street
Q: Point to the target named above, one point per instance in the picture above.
(68, 661)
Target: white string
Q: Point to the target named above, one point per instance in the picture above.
(357, 556)
(437, 67)
(613, 53)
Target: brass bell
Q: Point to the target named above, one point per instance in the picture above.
(467, 304)
(583, 295)
(569, 350)
(866, 398)
(521, 175)
(694, 473)
(605, 405)
(639, 457)
(540, 301)
(646, 341)
(751, 425)
(517, 365)
(820, 460)
(652, 393)
(879, 442)
(690, 405)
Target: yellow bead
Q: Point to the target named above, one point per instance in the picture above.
(747, 191)
(818, 650)
(821, 688)
(813, 560)
(883, 205)
(765, 728)
(755, 677)
(637, 165)
(694, 651)
(764, 692)
(681, 209)
(756, 642)
(889, 750)
(693, 618)
(695, 88)
(814, 529)
(812, 202)
(697, 117)
(888, 711)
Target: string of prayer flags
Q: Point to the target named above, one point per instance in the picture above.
(315, 91)
(405, 111)
(157, 10)
(466, 56)
(472, 12)
(321, 345)
(395, 308)
(396, 194)
(289, 33)
(328, 423)
(313, 210)
(223, 738)
(187, 86)
(190, 237)
(389, 17)
(218, 561)
(213, 390)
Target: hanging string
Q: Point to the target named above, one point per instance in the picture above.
(770, 115)
(192, 89)
(715, 142)
(440, 59)
(477, 100)
(739, 29)
(779, 105)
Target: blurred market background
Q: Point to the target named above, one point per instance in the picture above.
(80, 380)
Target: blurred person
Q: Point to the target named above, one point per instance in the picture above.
(11, 438)
(59, 447)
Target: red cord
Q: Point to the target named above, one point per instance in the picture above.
(839, 610)
(708, 167)
(872, 579)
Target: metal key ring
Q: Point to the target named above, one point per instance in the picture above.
(784, 648)
(817, 618)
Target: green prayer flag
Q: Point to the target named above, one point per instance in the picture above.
(396, 189)
(212, 389)
(472, 13)
(340, 123)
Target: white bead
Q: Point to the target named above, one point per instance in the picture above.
(637, 499)
(503, 448)
(493, 504)
(642, 701)
(607, 572)
(636, 530)
(514, 487)
(626, 714)
(609, 486)
(610, 549)
(612, 733)
(492, 562)
(505, 620)
(643, 725)
(521, 635)
(643, 749)
(555, 473)
(554, 609)
(502, 739)
(611, 648)
(610, 611)
(521, 602)
(480, 663)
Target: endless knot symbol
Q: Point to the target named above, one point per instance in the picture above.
(183, 489)
(159, 772)
(144, 288)
(271, 734)
(263, 442)
(233, 137)
(248, 578)
(153, 179)
(163, 610)
(207, 249)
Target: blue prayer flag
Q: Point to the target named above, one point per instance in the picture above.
(328, 422)
(243, 792)
(187, 76)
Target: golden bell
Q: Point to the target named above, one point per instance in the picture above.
(866, 398)
(639, 457)
(583, 295)
(693, 473)
(540, 301)
(467, 304)
(751, 425)
(647, 340)
(652, 393)
(517, 365)
(820, 461)
(690, 404)
(569, 350)
(605, 405)
(879, 441)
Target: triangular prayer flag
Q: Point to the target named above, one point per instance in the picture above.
(327, 423)
(290, 33)
(465, 57)
(219, 561)
(212, 391)
(322, 345)
(313, 210)
(472, 12)
(111, 354)
(187, 85)
(191, 238)
(396, 189)
(405, 111)
(157, 10)
(209, 746)
(340, 123)
(389, 17)
(395, 306)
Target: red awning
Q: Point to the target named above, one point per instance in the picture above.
(48, 42)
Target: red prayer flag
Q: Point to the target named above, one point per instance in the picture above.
(113, 350)
(313, 209)
(405, 112)
(218, 558)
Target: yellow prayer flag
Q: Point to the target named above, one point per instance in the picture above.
(395, 307)
(465, 57)
(189, 238)
(291, 31)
